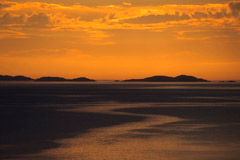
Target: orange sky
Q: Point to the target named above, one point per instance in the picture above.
(120, 39)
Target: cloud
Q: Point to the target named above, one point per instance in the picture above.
(5, 4)
(218, 15)
(199, 15)
(98, 21)
(98, 16)
(235, 8)
(7, 19)
(38, 20)
(11, 34)
(181, 13)
(210, 14)
(134, 2)
(159, 18)
(35, 20)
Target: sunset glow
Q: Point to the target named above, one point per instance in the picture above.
(120, 39)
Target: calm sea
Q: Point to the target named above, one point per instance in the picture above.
(119, 121)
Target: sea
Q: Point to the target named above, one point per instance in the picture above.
(119, 121)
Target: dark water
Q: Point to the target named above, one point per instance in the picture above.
(83, 121)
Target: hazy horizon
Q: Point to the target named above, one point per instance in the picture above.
(102, 79)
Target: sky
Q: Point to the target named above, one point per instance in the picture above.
(120, 39)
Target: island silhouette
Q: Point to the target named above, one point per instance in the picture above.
(57, 79)
(160, 78)
(180, 78)
(51, 79)
(14, 78)
(44, 79)
(82, 79)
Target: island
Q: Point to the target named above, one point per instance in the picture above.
(51, 79)
(229, 81)
(60, 79)
(180, 78)
(14, 78)
(83, 79)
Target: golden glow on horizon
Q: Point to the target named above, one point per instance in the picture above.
(120, 41)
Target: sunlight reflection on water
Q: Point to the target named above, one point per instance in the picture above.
(187, 121)
(127, 141)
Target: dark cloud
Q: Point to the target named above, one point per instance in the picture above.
(235, 8)
(4, 5)
(217, 15)
(35, 20)
(10, 19)
(209, 14)
(199, 15)
(38, 20)
(133, 2)
(158, 18)
(177, 17)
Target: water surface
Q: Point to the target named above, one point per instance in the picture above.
(107, 120)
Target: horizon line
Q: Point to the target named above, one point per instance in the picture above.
(120, 78)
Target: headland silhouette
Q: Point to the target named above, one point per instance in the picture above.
(44, 79)
(14, 78)
(160, 78)
(180, 78)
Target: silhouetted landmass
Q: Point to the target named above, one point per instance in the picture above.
(51, 79)
(184, 78)
(44, 79)
(83, 79)
(231, 81)
(180, 78)
(14, 78)
(60, 79)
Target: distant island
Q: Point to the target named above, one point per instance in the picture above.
(44, 79)
(51, 79)
(228, 81)
(14, 78)
(60, 79)
(180, 78)
(83, 79)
